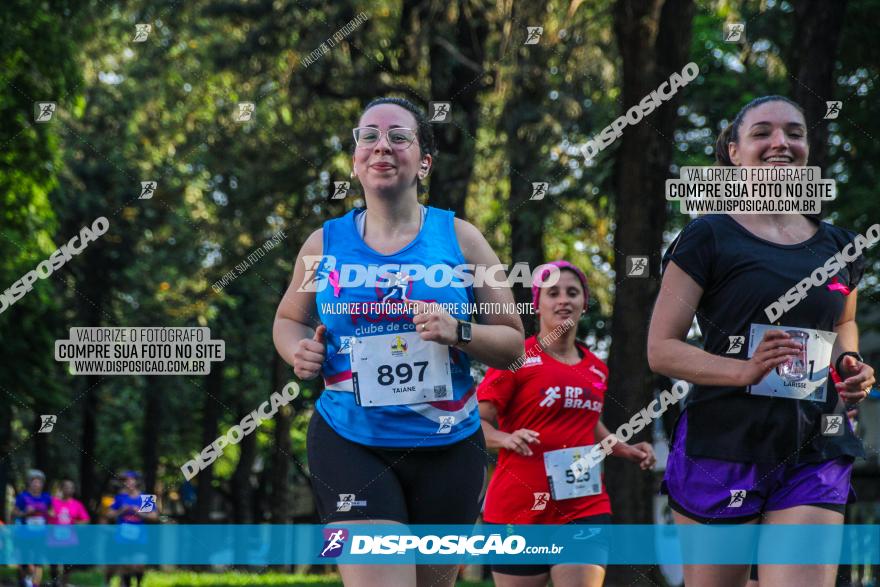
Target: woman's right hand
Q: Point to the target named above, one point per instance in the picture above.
(308, 358)
(775, 348)
(519, 441)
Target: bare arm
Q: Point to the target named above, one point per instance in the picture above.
(670, 355)
(857, 377)
(518, 441)
(498, 339)
(294, 332)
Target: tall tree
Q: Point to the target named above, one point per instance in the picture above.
(525, 135)
(458, 32)
(653, 37)
(813, 57)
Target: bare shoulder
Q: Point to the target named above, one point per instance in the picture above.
(472, 242)
(314, 244)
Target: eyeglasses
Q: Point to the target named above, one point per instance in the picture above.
(366, 137)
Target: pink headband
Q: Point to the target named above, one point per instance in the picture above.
(543, 272)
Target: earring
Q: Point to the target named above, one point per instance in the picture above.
(352, 174)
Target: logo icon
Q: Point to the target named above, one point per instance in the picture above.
(539, 190)
(47, 423)
(541, 500)
(399, 286)
(637, 266)
(141, 32)
(446, 423)
(733, 31)
(832, 109)
(43, 111)
(398, 347)
(837, 285)
(318, 270)
(334, 541)
(347, 501)
(590, 533)
(550, 396)
(533, 34)
(148, 188)
(737, 497)
(148, 503)
(340, 188)
(245, 111)
(832, 424)
(735, 344)
(344, 345)
(439, 111)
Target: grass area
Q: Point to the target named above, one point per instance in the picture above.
(95, 578)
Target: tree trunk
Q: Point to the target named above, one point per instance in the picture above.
(210, 428)
(653, 38)
(522, 115)
(6, 414)
(280, 465)
(41, 440)
(456, 54)
(242, 489)
(813, 53)
(91, 492)
(153, 395)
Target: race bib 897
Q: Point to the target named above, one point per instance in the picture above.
(399, 369)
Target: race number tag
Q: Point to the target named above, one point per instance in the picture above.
(802, 376)
(399, 369)
(562, 480)
(36, 521)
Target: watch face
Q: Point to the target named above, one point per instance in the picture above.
(465, 331)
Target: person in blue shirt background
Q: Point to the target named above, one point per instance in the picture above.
(131, 508)
(33, 506)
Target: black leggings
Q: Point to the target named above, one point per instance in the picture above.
(436, 485)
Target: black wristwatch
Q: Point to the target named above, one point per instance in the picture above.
(464, 332)
(857, 356)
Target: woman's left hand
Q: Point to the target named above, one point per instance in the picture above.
(433, 323)
(859, 380)
(641, 453)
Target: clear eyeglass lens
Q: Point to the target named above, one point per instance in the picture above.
(397, 137)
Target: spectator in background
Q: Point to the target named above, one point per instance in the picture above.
(67, 510)
(33, 506)
(129, 511)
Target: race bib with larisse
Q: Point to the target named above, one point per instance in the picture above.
(562, 480)
(802, 376)
(399, 369)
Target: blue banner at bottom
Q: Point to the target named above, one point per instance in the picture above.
(480, 544)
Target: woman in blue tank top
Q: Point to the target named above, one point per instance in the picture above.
(380, 305)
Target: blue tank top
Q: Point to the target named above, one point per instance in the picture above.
(426, 424)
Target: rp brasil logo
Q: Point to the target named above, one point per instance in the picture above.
(334, 542)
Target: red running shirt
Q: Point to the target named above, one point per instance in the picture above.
(563, 403)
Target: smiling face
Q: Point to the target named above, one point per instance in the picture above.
(561, 302)
(773, 133)
(381, 168)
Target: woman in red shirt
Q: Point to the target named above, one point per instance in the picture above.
(547, 410)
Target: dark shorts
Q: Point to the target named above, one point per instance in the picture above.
(530, 570)
(436, 485)
(728, 492)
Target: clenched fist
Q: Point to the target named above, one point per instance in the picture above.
(309, 355)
